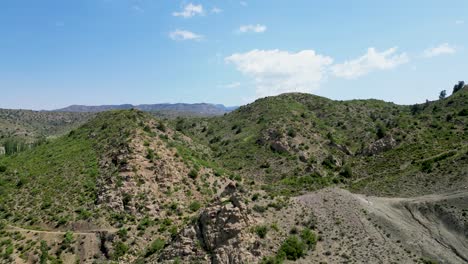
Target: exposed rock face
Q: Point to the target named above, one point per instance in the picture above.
(219, 235)
(2, 151)
(381, 145)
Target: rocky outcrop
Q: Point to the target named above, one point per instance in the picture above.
(381, 145)
(219, 235)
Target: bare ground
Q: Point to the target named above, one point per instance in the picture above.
(362, 229)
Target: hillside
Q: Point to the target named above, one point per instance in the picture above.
(122, 180)
(30, 124)
(299, 141)
(294, 177)
(169, 110)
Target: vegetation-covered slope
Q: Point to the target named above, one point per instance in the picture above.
(123, 179)
(308, 141)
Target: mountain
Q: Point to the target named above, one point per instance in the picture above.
(294, 177)
(201, 109)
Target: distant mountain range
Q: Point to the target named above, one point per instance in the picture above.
(202, 109)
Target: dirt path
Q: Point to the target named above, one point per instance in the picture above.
(362, 229)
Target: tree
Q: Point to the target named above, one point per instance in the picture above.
(458, 86)
(415, 109)
(381, 130)
(442, 95)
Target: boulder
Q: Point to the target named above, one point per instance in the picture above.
(381, 145)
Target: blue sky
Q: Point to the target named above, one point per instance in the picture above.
(55, 53)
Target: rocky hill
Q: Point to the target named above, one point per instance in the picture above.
(292, 178)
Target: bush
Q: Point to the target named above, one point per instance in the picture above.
(261, 231)
(426, 166)
(259, 208)
(194, 206)
(150, 154)
(329, 162)
(68, 239)
(347, 172)
(3, 168)
(309, 238)
(255, 196)
(122, 233)
(292, 248)
(161, 127)
(292, 132)
(44, 248)
(193, 174)
(155, 247)
(120, 249)
(381, 130)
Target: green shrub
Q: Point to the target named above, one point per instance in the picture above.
(347, 172)
(291, 132)
(259, 208)
(255, 196)
(261, 231)
(193, 174)
(309, 238)
(149, 154)
(3, 168)
(155, 247)
(147, 129)
(68, 239)
(161, 127)
(44, 252)
(194, 206)
(122, 233)
(292, 248)
(381, 130)
(120, 249)
(426, 166)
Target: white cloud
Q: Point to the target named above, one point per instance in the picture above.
(276, 72)
(184, 35)
(231, 85)
(442, 49)
(459, 22)
(253, 28)
(216, 10)
(371, 61)
(190, 10)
